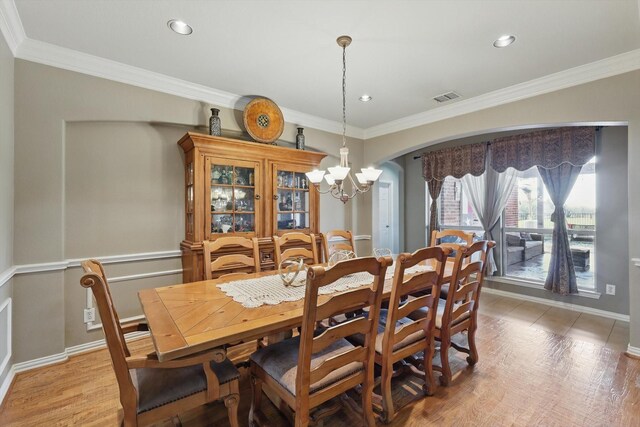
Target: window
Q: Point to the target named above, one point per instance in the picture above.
(526, 224)
(528, 228)
(455, 208)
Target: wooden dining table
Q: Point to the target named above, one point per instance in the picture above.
(192, 317)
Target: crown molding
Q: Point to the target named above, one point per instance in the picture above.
(604, 68)
(11, 25)
(68, 59)
(72, 60)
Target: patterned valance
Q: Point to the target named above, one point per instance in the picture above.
(546, 148)
(456, 162)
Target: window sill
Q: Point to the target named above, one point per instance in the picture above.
(584, 293)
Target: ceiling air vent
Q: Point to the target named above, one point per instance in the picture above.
(446, 97)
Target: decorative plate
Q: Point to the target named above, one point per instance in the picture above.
(263, 120)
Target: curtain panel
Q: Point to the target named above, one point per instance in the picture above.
(547, 148)
(456, 162)
(435, 187)
(489, 194)
(561, 278)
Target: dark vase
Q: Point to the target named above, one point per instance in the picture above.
(300, 139)
(215, 128)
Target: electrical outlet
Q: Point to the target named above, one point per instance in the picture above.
(89, 315)
(610, 289)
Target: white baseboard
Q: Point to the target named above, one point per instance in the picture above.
(41, 361)
(633, 351)
(83, 348)
(560, 304)
(6, 384)
(57, 358)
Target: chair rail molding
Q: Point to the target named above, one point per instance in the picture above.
(7, 275)
(75, 262)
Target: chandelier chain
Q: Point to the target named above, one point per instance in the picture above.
(344, 95)
(340, 176)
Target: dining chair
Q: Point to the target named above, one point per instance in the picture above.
(448, 236)
(400, 337)
(151, 390)
(337, 240)
(459, 312)
(320, 364)
(283, 252)
(454, 240)
(234, 263)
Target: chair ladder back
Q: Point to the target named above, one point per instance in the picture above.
(436, 235)
(307, 239)
(344, 302)
(95, 280)
(337, 240)
(425, 284)
(231, 262)
(468, 275)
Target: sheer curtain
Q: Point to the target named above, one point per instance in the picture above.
(488, 194)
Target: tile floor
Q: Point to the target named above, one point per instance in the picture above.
(613, 334)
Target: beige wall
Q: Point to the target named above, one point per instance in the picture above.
(614, 99)
(56, 111)
(6, 192)
(6, 156)
(99, 173)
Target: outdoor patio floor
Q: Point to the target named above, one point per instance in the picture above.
(537, 267)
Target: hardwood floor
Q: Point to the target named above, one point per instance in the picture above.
(538, 366)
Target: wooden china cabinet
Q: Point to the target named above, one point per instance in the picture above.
(235, 187)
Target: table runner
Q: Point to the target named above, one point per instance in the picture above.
(252, 293)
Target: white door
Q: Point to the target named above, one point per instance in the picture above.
(385, 216)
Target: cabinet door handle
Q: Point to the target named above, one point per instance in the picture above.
(275, 197)
(257, 197)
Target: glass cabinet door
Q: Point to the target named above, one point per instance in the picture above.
(292, 201)
(234, 197)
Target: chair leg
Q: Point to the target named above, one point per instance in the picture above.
(429, 382)
(388, 412)
(256, 390)
(231, 402)
(367, 406)
(472, 359)
(445, 343)
(301, 422)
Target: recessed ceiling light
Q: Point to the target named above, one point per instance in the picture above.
(180, 27)
(365, 98)
(504, 41)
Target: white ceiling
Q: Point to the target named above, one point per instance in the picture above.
(403, 52)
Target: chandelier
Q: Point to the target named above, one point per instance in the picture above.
(339, 175)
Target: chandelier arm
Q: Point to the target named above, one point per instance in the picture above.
(327, 191)
(353, 182)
